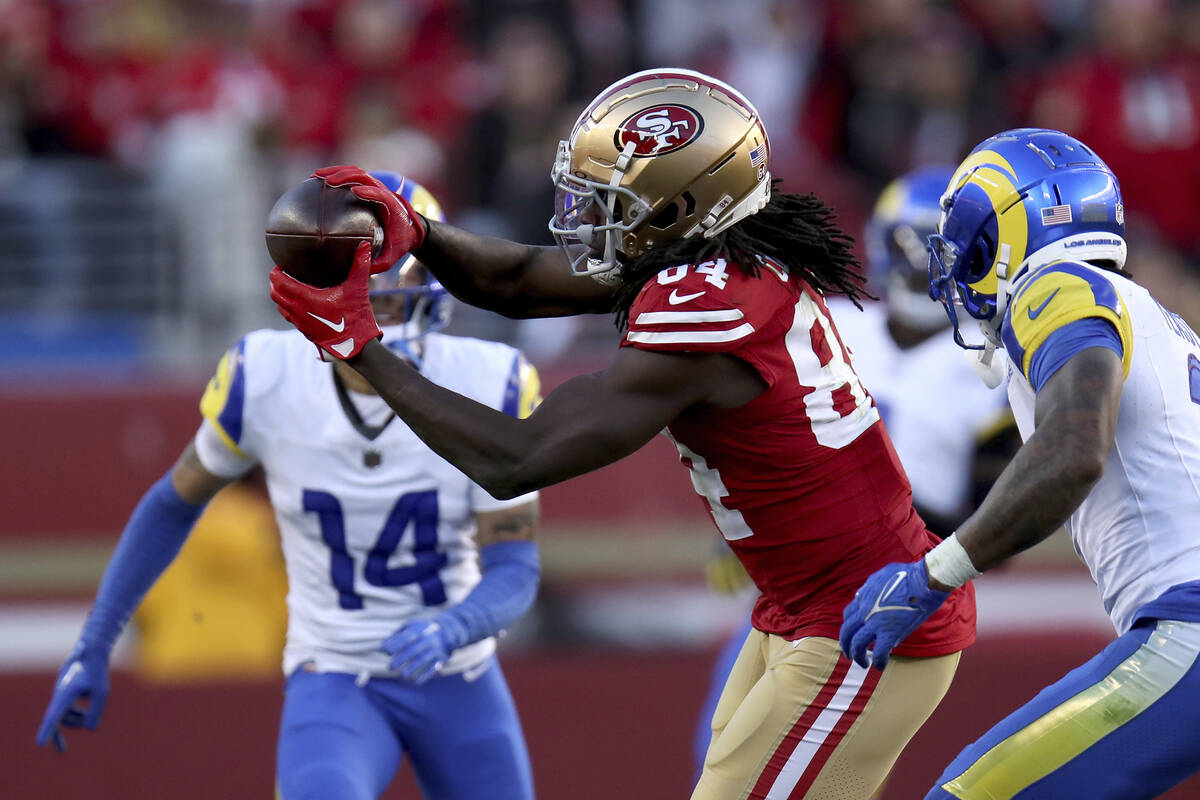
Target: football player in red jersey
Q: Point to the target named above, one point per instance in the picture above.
(665, 207)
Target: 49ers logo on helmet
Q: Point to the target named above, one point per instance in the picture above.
(659, 129)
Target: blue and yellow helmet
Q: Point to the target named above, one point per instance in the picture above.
(426, 304)
(905, 216)
(1024, 195)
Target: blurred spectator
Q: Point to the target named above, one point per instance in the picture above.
(909, 73)
(91, 91)
(1135, 98)
(295, 47)
(219, 105)
(511, 141)
(378, 137)
(217, 98)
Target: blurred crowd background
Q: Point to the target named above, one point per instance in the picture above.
(142, 143)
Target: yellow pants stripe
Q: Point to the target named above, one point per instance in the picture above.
(1052, 740)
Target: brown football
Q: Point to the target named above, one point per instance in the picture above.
(314, 228)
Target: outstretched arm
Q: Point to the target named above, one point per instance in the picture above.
(516, 280)
(513, 279)
(589, 421)
(152, 538)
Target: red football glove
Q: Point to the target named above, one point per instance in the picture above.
(339, 319)
(403, 228)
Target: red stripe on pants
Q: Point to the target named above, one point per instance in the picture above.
(848, 718)
(794, 736)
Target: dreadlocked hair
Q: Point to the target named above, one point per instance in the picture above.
(798, 232)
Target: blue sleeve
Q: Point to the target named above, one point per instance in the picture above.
(152, 538)
(1068, 340)
(511, 572)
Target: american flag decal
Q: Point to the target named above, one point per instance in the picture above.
(1056, 215)
(758, 155)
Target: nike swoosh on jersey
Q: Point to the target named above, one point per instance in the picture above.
(897, 581)
(1034, 313)
(676, 298)
(337, 327)
(343, 349)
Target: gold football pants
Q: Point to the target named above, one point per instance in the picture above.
(800, 720)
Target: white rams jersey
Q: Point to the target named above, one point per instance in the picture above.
(376, 532)
(1138, 531)
(934, 405)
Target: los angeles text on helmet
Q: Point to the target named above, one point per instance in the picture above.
(1092, 243)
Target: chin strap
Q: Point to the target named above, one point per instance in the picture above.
(618, 174)
(990, 369)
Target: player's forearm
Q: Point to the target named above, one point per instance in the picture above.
(511, 573)
(152, 538)
(1053, 473)
(1034, 496)
(516, 280)
(500, 453)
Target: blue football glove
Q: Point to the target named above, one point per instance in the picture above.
(889, 606)
(420, 649)
(84, 676)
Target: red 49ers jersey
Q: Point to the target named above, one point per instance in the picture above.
(803, 481)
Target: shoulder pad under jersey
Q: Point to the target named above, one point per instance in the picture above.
(1056, 295)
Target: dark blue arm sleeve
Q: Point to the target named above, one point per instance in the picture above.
(511, 572)
(1068, 340)
(152, 538)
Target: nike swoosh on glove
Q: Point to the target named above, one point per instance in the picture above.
(889, 606)
(403, 228)
(84, 676)
(420, 649)
(337, 319)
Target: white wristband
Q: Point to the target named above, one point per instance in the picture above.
(949, 564)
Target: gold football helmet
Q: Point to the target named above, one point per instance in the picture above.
(660, 155)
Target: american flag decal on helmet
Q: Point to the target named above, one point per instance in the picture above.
(1056, 215)
(758, 155)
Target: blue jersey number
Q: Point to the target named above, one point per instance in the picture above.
(418, 508)
(1184, 331)
(1194, 377)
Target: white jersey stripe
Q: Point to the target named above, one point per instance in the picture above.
(691, 337)
(817, 733)
(666, 317)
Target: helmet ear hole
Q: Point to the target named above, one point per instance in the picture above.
(689, 204)
(982, 256)
(979, 264)
(666, 218)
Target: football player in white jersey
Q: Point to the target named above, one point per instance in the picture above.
(401, 570)
(1105, 386)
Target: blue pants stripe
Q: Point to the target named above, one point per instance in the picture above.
(1140, 758)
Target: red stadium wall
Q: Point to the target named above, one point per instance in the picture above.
(600, 725)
